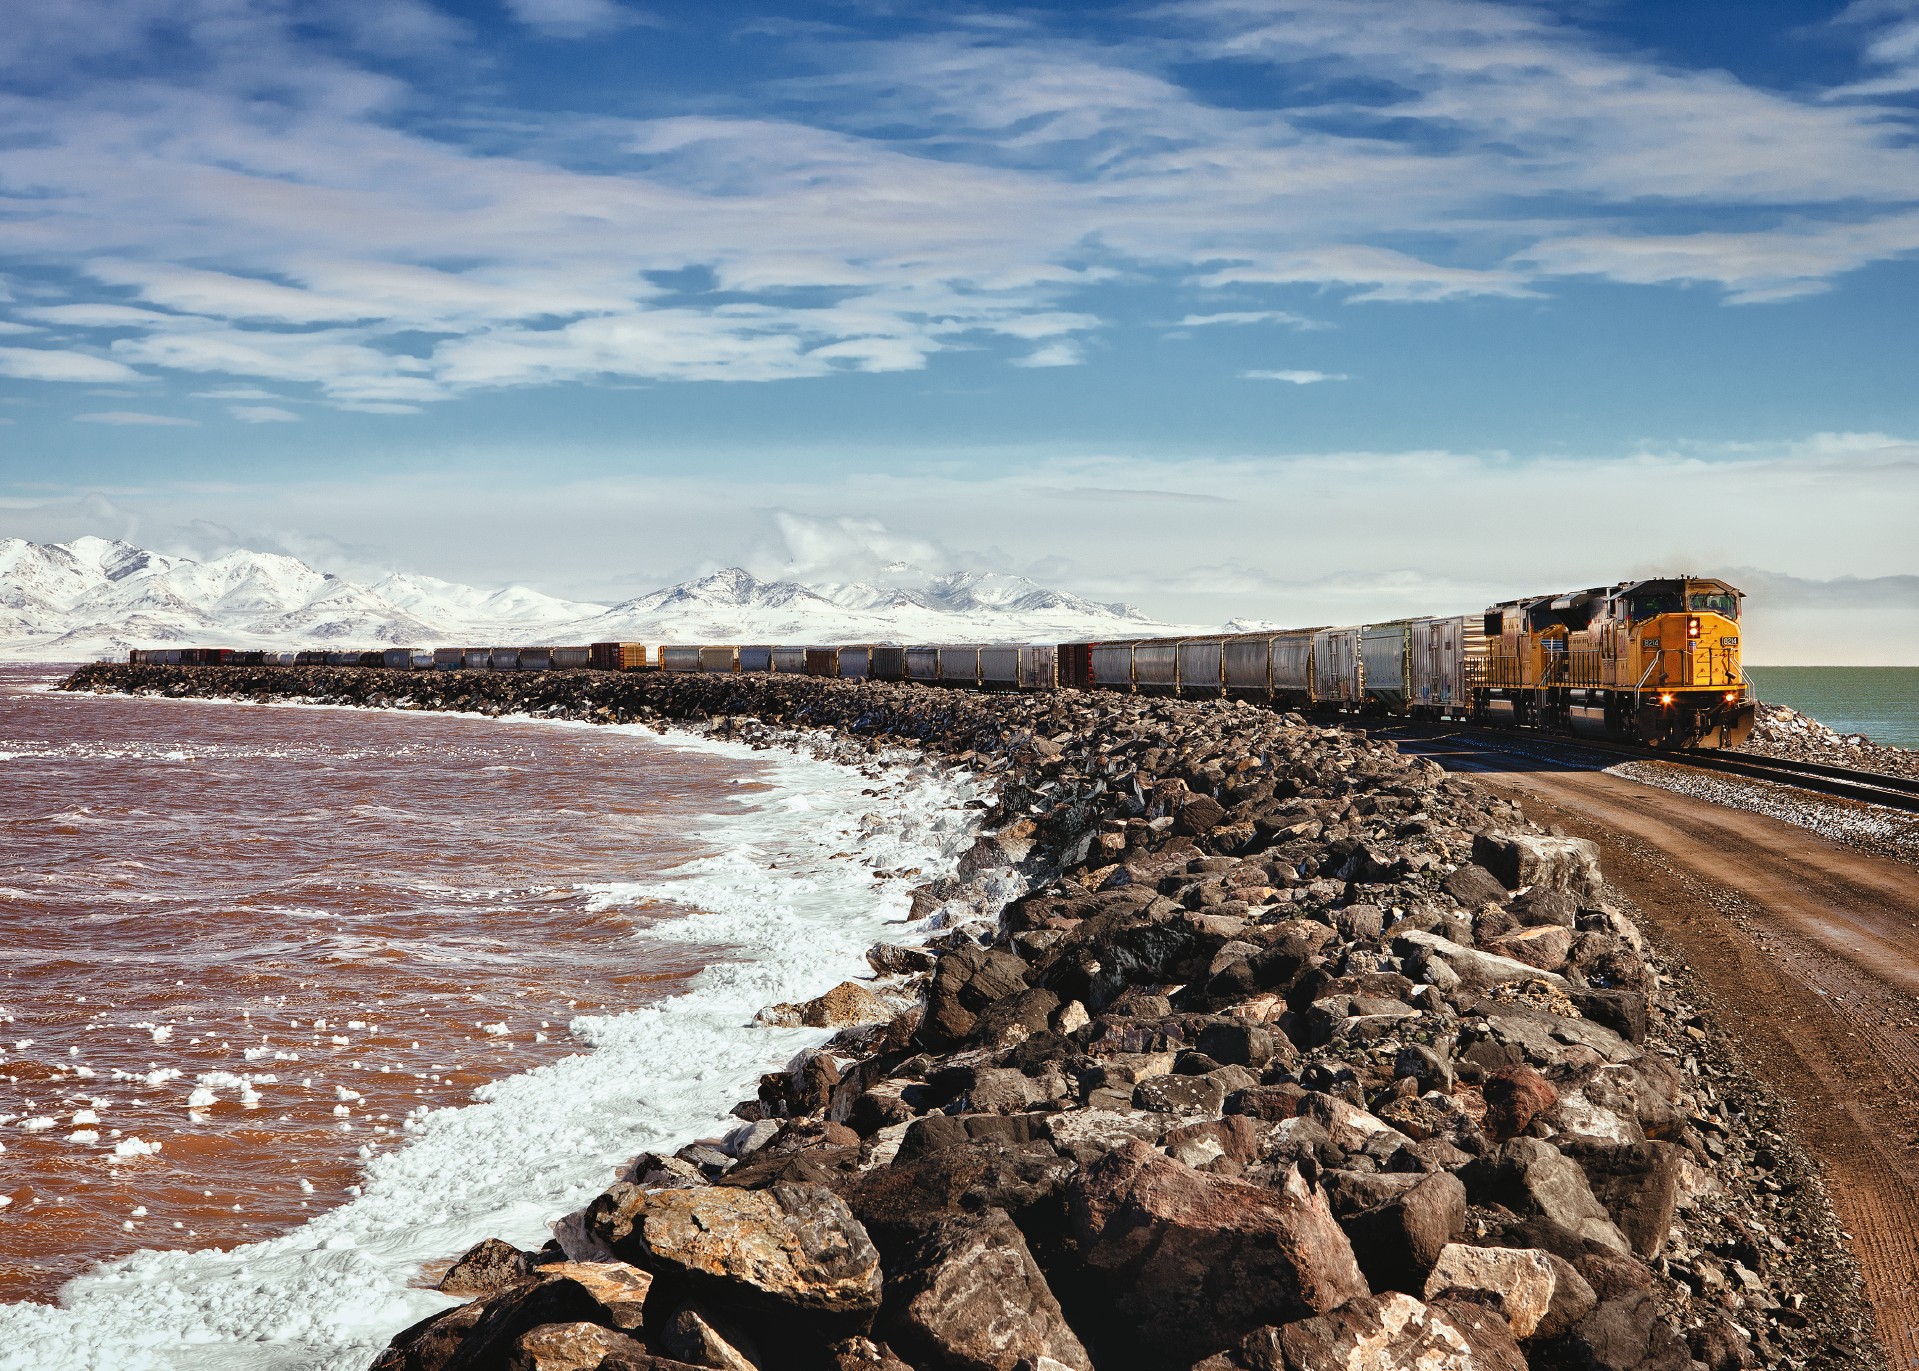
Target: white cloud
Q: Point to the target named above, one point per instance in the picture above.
(1065, 354)
(933, 191)
(134, 417)
(57, 364)
(573, 18)
(8, 326)
(1298, 378)
(263, 414)
(235, 393)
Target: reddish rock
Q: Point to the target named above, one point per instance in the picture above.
(487, 1268)
(969, 1297)
(1515, 1096)
(1189, 1262)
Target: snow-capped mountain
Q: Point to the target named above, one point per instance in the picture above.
(97, 597)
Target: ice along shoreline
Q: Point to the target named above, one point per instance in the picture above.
(792, 868)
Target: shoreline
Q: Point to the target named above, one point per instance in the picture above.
(1377, 953)
(330, 1292)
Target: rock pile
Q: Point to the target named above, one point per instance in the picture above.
(1295, 1054)
(1780, 731)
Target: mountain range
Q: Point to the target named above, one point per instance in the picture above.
(97, 597)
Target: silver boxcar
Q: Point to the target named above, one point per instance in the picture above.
(1444, 651)
(1112, 666)
(421, 659)
(790, 660)
(1247, 664)
(999, 667)
(959, 665)
(572, 658)
(889, 663)
(1201, 668)
(503, 658)
(536, 658)
(1291, 665)
(718, 660)
(476, 658)
(856, 663)
(1038, 667)
(756, 658)
(1336, 667)
(399, 658)
(1384, 650)
(1156, 666)
(923, 664)
(679, 658)
(449, 658)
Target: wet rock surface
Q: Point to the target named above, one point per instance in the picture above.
(1287, 1051)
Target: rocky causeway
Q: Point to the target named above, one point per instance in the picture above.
(1243, 1044)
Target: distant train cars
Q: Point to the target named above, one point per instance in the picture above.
(1656, 661)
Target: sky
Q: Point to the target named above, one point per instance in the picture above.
(1295, 310)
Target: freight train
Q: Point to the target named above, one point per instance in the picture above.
(1653, 661)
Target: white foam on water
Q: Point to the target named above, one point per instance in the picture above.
(791, 895)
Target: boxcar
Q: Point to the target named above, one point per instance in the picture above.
(311, 658)
(1038, 667)
(1156, 666)
(1336, 667)
(449, 658)
(718, 660)
(790, 661)
(1075, 665)
(1386, 675)
(959, 665)
(1111, 665)
(856, 662)
(503, 658)
(618, 656)
(1246, 664)
(822, 661)
(679, 657)
(398, 658)
(1445, 654)
(282, 658)
(1291, 668)
(1201, 668)
(889, 663)
(536, 658)
(572, 658)
(476, 658)
(999, 667)
(756, 657)
(923, 664)
(420, 659)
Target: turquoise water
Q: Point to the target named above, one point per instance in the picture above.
(1881, 702)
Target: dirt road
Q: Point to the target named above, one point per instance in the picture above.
(1810, 951)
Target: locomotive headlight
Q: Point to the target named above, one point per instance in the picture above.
(1665, 699)
(1692, 627)
(1731, 695)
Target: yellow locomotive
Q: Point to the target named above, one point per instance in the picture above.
(1655, 661)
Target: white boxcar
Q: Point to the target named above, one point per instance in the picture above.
(923, 664)
(856, 663)
(999, 667)
(1113, 666)
(1202, 673)
(1336, 666)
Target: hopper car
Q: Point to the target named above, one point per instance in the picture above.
(1652, 661)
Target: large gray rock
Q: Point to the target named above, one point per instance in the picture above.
(1393, 1332)
(1528, 1176)
(1188, 1262)
(1638, 1183)
(969, 1297)
(1570, 865)
(1469, 965)
(1519, 1282)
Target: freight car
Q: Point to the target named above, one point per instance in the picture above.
(1656, 661)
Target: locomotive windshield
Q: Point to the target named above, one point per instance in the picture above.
(1647, 603)
(1714, 602)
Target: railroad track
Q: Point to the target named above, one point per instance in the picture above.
(1868, 787)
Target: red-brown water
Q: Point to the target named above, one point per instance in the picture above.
(322, 921)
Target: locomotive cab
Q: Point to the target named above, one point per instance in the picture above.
(1678, 654)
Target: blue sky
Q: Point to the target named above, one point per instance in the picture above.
(1283, 309)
